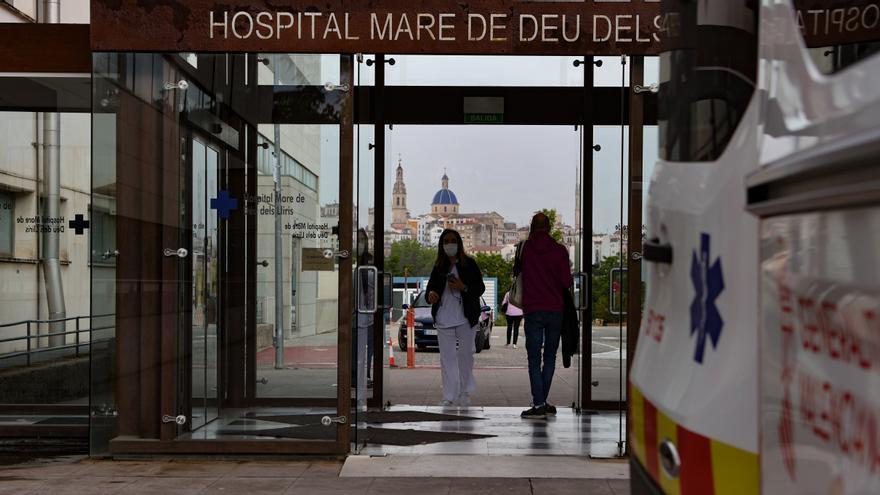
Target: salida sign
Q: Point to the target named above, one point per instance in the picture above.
(381, 26)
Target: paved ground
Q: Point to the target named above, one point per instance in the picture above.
(504, 387)
(605, 344)
(501, 372)
(265, 477)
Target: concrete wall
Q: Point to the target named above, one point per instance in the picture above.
(75, 11)
(59, 381)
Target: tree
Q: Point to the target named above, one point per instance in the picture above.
(493, 265)
(410, 257)
(555, 233)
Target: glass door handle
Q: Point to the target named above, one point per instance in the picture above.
(580, 296)
(179, 419)
(329, 86)
(180, 253)
(339, 253)
(327, 420)
(365, 274)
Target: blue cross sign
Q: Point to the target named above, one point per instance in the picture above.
(224, 203)
(708, 283)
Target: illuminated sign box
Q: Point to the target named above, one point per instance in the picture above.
(483, 110)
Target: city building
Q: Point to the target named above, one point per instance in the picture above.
(399, 213)
(480, 232)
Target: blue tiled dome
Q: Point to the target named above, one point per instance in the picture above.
(444, 197)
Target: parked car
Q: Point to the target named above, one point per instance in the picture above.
(426, 333)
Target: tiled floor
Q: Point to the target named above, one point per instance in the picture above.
(215, 429)
(567, 433)
(508, 462)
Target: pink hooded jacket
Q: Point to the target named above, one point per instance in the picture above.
(545, 272)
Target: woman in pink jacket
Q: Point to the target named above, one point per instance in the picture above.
(514, 316)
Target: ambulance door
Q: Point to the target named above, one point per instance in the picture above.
(693, 384)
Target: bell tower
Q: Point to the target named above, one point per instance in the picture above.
(399, 213)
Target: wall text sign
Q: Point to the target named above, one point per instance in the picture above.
(523, 27)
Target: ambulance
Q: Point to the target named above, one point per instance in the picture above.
(757, 367)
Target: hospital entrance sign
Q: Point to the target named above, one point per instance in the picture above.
(585, 27)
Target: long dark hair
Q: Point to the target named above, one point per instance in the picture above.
(366, 258)
(443, 260)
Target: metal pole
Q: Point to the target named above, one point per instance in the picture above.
(51, 222)
(28, 343)
(410, 326)
(279, 267)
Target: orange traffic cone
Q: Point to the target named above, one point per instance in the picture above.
(391, 362)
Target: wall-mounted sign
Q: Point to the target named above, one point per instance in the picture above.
(825, 23)
(313, 260)
(552, 27)
(483, 110)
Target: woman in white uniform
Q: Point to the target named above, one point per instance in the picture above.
(454, 292)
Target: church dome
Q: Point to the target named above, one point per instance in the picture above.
(444, 197)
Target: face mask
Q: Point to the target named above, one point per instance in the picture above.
(450, 249)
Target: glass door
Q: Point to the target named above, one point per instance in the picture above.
(141, 256)
(229, 258)
(299, 356)
(205, 282)
(462, 142)
(609, 248)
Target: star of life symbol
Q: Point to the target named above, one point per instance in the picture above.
(708, 283)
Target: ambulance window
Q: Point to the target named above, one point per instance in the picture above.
(708, 67)
(839, 33)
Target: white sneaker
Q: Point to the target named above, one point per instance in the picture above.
(514, 346)
(446, 403)
(464, 401)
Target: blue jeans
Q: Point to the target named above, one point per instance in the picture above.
(542, 329)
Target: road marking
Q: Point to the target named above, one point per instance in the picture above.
(615, 354)
(606, 345)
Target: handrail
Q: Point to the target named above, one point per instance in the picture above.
(28, 337)
(56, 320)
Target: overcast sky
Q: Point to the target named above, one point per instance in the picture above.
(513, 170)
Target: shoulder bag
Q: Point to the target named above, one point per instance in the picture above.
(516, 288)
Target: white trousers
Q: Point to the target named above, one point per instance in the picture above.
(361, 363)
(457, 360)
